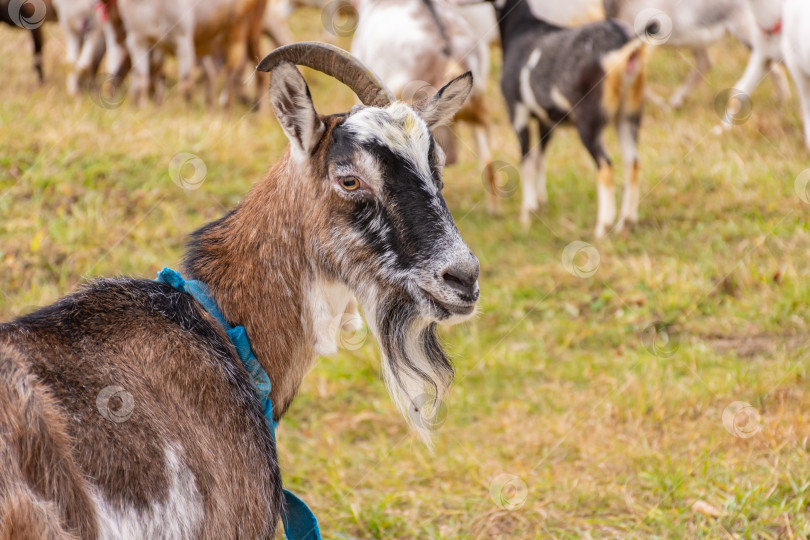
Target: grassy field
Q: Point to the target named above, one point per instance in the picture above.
(664, 396)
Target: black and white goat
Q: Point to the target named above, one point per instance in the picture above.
(590, 76)
(353, 207)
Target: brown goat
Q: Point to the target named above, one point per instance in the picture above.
(124, 409)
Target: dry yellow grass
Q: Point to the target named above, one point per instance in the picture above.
(569, 417)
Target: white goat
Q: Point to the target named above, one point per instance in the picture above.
(414, 45)
(84, 40)
(568, 13)
(693, 25)
(766, 55)
(481, 18)
(766, 46)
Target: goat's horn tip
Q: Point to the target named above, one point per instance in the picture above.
(267, 63)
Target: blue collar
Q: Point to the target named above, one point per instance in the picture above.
(299, 521)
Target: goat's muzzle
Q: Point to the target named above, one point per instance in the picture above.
(451, 291)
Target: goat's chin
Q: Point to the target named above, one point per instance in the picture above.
(455, 318)
(443, 312)
(415, 368)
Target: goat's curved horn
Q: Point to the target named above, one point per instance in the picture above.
(336, 63)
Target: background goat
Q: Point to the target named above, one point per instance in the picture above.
(84, 40)
(192, 30)
(28, 15)
(571, 13)
(796, 51)
(766, 54)
(589, 76)
(691, 24)
(353, 207)
(766, 43)
(413, 44)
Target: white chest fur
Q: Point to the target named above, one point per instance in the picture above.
(333, 309)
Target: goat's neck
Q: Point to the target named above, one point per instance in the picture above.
(254, 262)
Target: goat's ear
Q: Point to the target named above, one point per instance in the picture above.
(443, 106)
(293, 106)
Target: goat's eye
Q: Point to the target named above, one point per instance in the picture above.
(349, 183)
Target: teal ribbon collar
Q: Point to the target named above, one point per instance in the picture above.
(299, 521)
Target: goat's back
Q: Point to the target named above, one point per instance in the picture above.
(569, 58)
(153, 409)
(685, 23)
(42, 493)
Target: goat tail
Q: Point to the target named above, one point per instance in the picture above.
(625, 77)
(42, 493)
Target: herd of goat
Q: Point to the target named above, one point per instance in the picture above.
(559, 68)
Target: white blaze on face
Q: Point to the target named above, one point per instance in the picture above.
(400, 129)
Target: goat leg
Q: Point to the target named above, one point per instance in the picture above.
(703, 64)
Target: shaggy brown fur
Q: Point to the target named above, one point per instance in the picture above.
(187, 390)
(35, 460)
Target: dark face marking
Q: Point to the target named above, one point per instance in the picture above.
(402, 216)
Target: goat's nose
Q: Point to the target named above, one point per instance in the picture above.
(462, 277)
